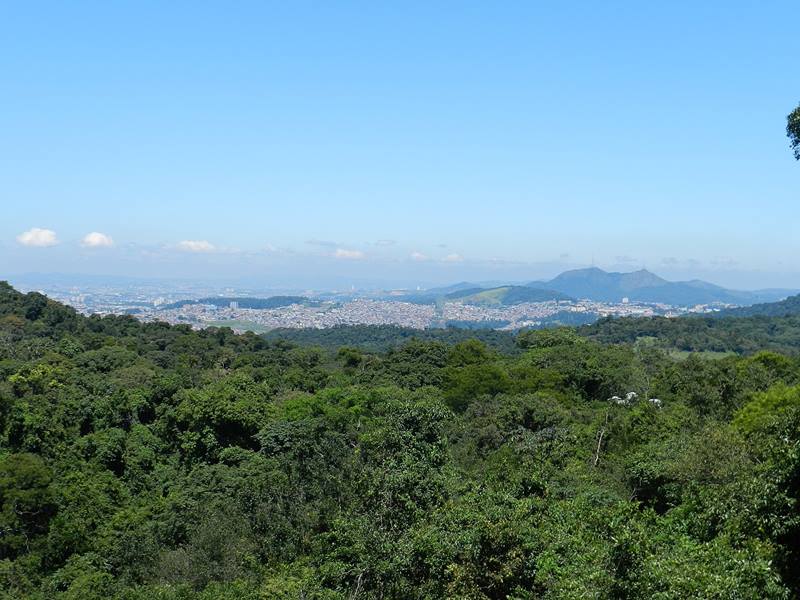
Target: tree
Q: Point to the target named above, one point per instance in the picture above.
(793, 130)
(26, 501)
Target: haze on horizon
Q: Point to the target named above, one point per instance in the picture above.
(313, 146)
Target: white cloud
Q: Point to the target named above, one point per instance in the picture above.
(349, 254)
(196, 246)
(452, 258)
(38, 237)
(418, 256)
(96, 239)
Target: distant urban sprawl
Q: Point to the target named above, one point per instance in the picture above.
(322, 312)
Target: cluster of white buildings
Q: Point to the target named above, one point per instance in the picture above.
(326, 314)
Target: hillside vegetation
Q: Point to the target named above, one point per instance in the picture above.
(505, 296)
(148, 461)
(382, 338)
(742, 335)
(787, 307)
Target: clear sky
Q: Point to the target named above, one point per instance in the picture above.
(297, 143)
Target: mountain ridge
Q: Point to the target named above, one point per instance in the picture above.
(593, 283)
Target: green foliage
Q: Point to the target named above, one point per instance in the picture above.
(548, 338)
(740, 335)
(480, 546)
(143, 461)
(26, 501)
(767, 407)
(793, 131)
(381, 338)
(224, 413)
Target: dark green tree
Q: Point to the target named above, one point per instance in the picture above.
(793, 130)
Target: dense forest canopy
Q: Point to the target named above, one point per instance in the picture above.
(381, 338)
(143, 461)
(784, 308)
(740, 335)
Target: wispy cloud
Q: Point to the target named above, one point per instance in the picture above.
(453, 258)
(196, 246)
(418, 256)
(345, 254)
(37, 237)
(385, 243)
(95, 239)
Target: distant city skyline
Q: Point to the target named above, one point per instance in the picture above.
(333, 145)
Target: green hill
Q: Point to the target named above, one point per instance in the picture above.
(505, 296)
(787, 307)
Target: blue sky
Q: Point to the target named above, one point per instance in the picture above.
(297, 143)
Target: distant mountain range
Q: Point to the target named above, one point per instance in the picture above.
(599, 285)
(643, 286)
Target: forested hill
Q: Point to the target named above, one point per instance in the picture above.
(146, 461)
(787, 307)
(382, 338)
(742, 335)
